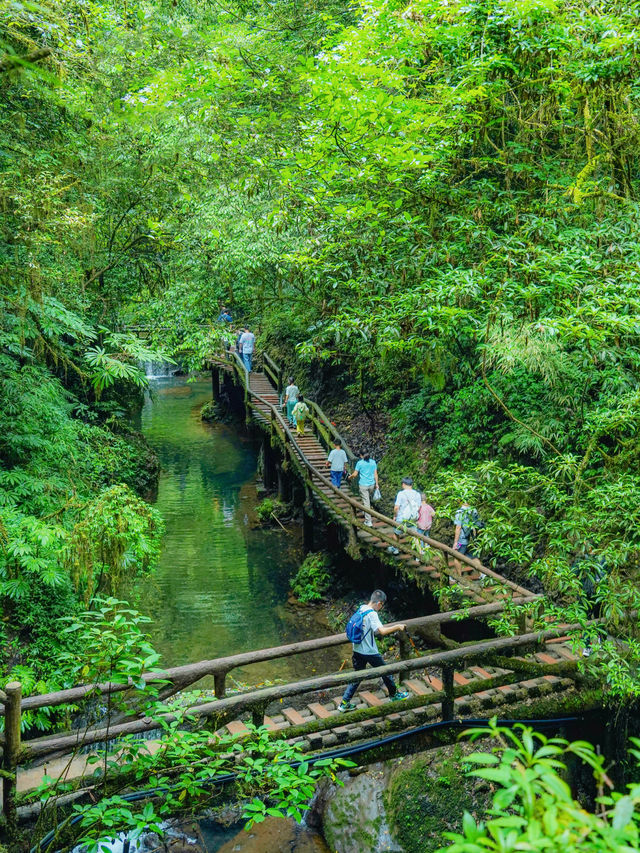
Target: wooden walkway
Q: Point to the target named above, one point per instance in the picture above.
(419, 556)
(484, 690)
(476, 679)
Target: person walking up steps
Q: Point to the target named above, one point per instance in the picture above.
(338, 462)
(367, 471)
(291, 394)
(362, 629)
(300, 414)
(423, 524)
(468, 523)
(405, 511)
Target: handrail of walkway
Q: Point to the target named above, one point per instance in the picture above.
(356, 505)
(187, 674)
(332, 430)
(256, 700)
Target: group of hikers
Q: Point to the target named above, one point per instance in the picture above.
(412, 512)
(245, 340)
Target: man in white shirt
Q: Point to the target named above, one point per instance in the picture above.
(405, 511)
(247, 342)
(366, 652)
(338, 462)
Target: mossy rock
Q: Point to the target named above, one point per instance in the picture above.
(428, 796)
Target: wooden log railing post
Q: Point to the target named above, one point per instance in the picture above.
(220, 685)
(308, 523)
(12, 745)
(268, 472)
(447, 686)
(405, 645)
(257, 715)
(284, 490)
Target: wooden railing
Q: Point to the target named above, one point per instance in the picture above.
(255, 701)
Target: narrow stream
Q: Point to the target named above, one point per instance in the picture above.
(222, 583)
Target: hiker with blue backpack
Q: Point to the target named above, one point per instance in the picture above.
(361, 630)
(468, 523)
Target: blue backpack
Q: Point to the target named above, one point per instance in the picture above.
(354, 630)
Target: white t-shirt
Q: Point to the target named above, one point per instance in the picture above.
(247, 342)
(338, 459)
(371, 624)
(292, 392)
(408, 502)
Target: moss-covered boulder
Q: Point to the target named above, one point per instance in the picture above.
(355, 820)
(428, 794)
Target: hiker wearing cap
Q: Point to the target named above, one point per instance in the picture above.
(405, 511)
(362, 629)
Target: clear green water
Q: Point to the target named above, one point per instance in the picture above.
(222, 583)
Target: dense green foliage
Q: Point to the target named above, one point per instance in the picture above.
(313, 580)
(533, 806)
(71, 473)
(268, 775)
(429, 797)
(432, 203)
(436, 206)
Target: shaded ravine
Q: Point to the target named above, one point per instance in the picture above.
(222, 582)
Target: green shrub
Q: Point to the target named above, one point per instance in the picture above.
(313, 579)
(268, 508)
(209, 411)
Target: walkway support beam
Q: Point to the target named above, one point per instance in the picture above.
(12, 749)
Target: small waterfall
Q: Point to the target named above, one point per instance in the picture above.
(159, 369)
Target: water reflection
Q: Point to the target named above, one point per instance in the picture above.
(221, 585)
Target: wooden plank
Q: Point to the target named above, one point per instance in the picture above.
(235, 727)
(319, 711)
(417, 687)
(566, 653)
(294, 717)
(481, 672)
(545, 658)
(370, 698)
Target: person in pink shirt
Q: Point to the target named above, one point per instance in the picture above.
(425, 517)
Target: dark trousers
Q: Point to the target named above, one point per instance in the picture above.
(360, 662)
(336, 478)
